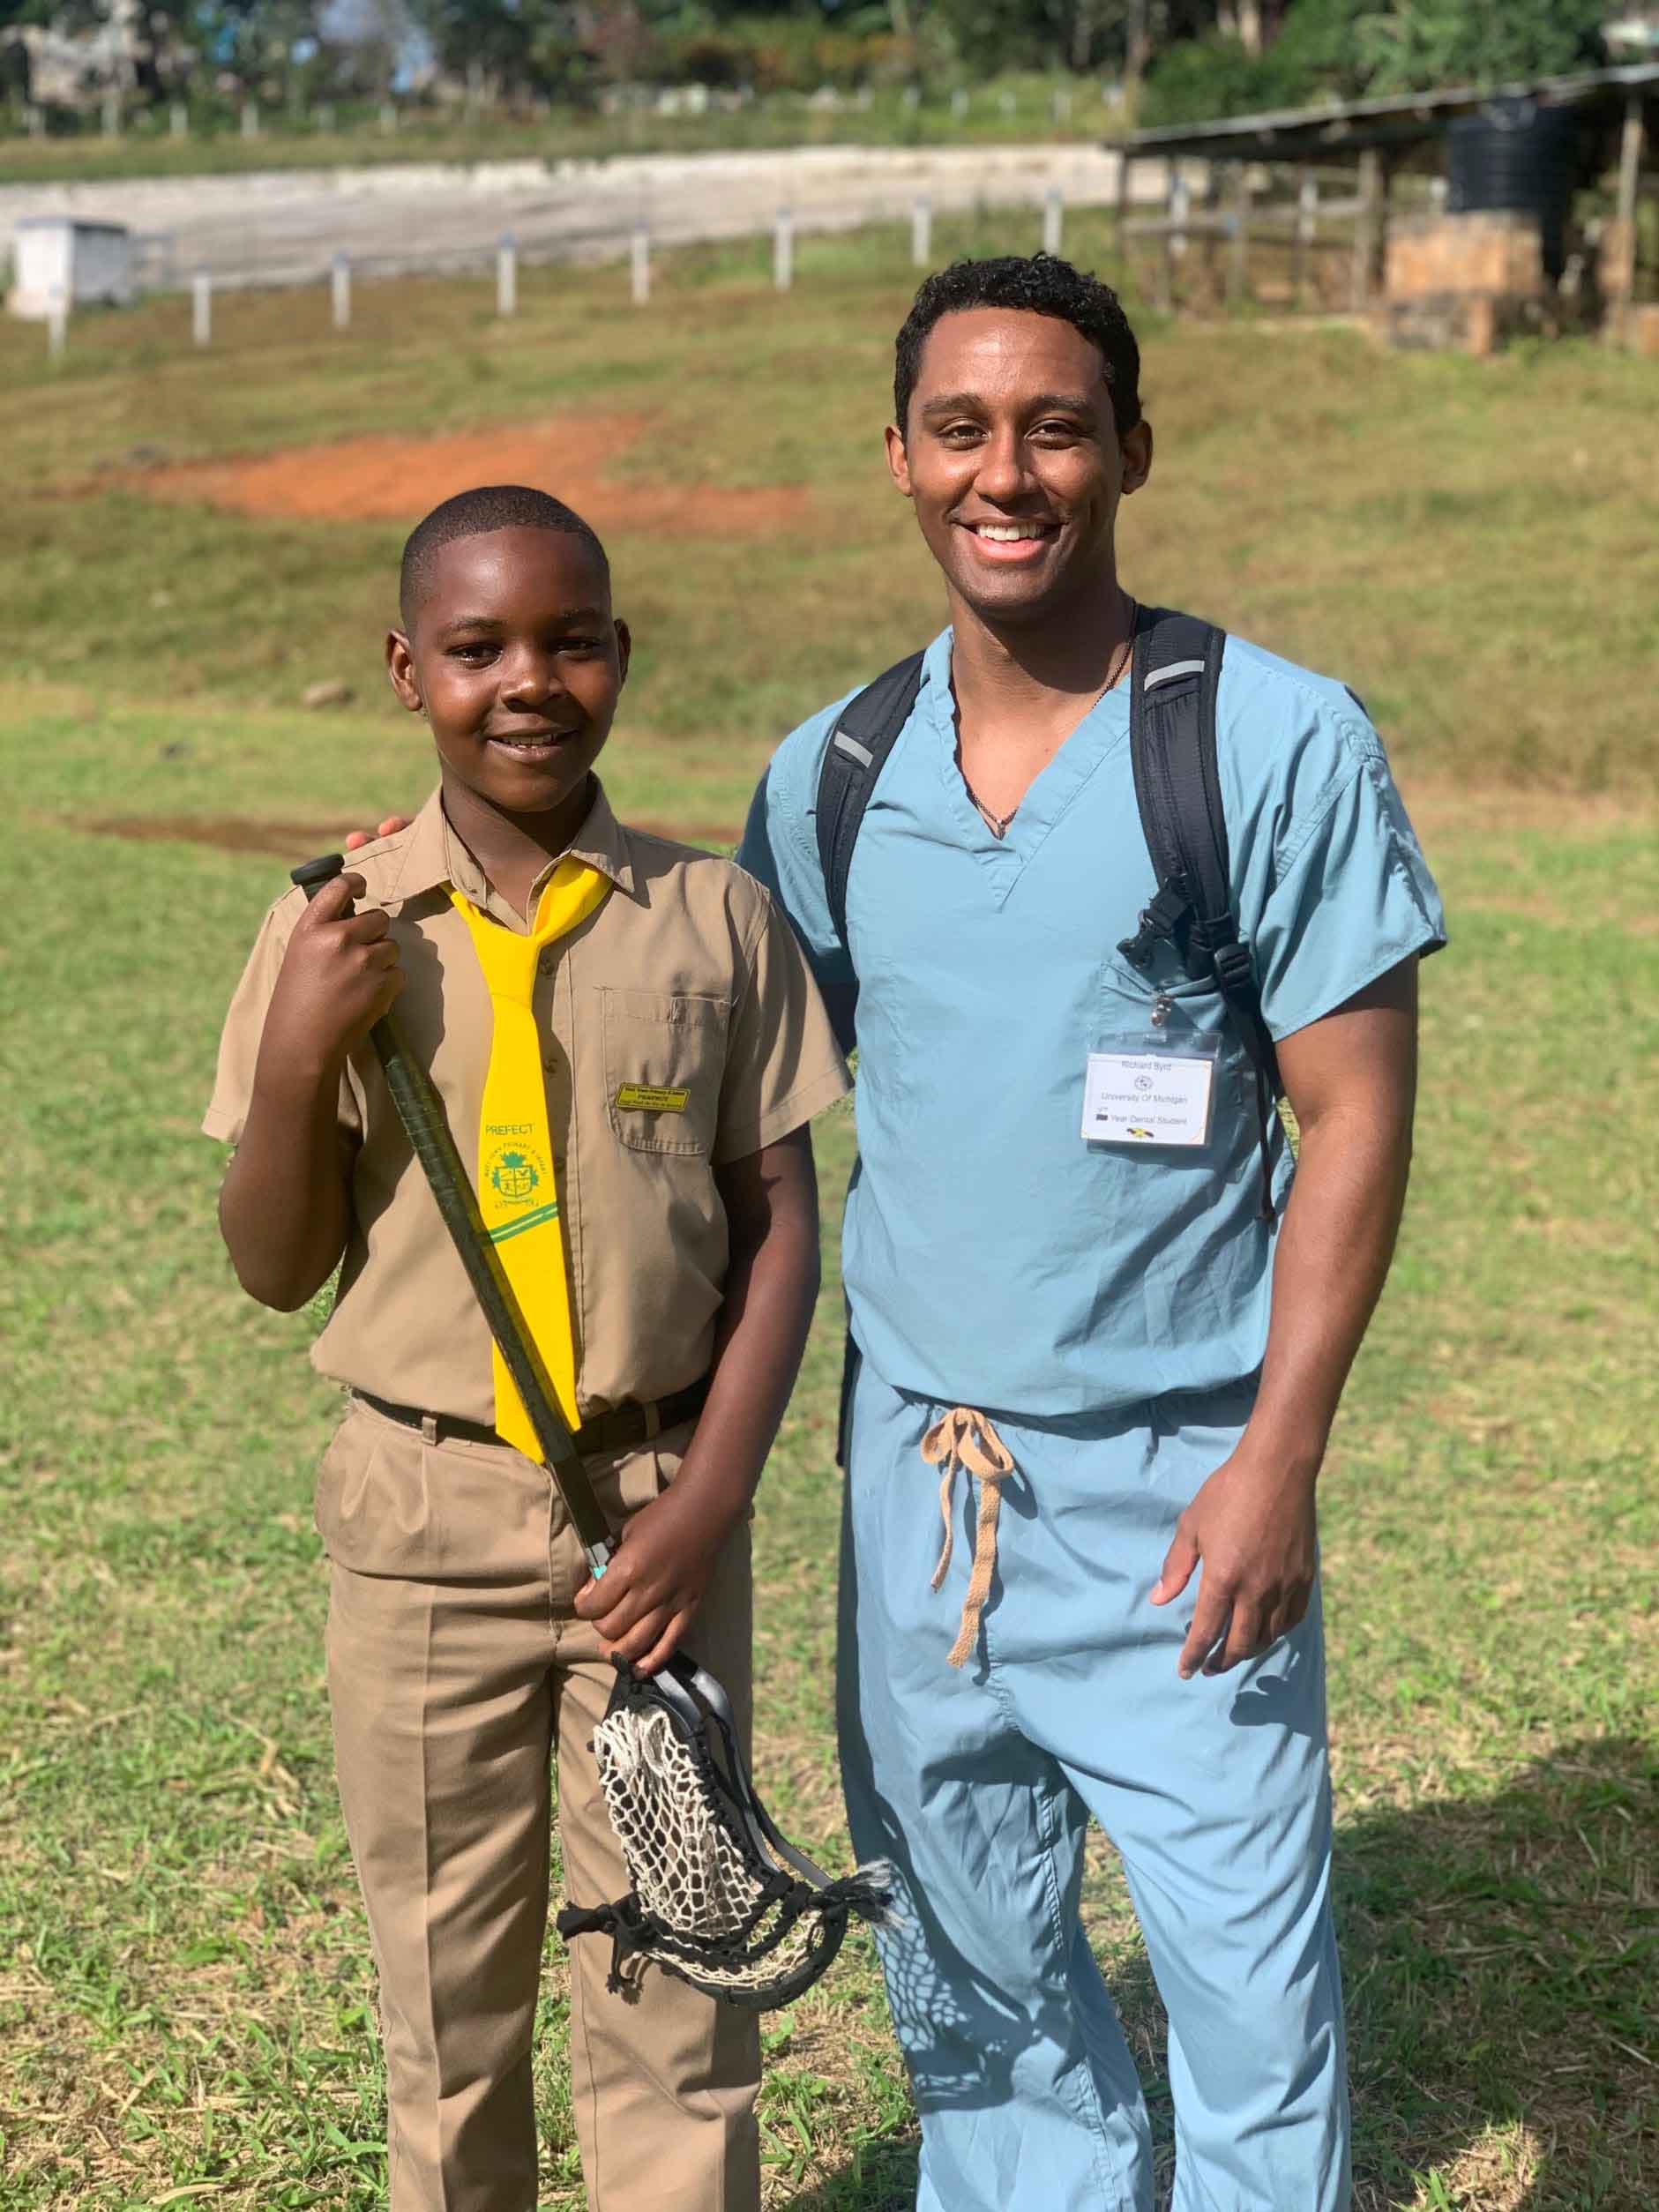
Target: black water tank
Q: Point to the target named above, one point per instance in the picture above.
(1519, 156)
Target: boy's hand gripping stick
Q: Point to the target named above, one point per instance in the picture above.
(420, 1110)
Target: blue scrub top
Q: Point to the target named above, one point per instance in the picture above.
(991, 1256)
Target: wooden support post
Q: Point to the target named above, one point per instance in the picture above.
(640, 271)
(1053, 219)
(1306, 231)
(1238, 237)
(922, 232)
(783, 250)
(249, 118)
(57, 322)
(202, 307)
(1367, 228)
(1618, 276)
(1125, 201)
(1174, 237)
(178, 120)
(507, 275)
(340, 290)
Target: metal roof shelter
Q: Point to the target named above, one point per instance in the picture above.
(1382, 135)
(1331, 132)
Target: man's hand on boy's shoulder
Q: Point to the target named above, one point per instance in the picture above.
(390, 828)
(338, 976)
(648, 1597)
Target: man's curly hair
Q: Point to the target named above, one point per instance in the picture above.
(1041, 284)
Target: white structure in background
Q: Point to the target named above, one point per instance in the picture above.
(96, 61)
(1631, 35)
(59, 264)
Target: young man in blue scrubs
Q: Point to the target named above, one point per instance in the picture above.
(1115, 1376)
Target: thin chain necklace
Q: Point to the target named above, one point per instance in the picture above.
(999, 824)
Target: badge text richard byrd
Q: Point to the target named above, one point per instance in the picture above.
(1147, 1098)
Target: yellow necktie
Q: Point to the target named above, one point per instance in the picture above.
(516, 1193)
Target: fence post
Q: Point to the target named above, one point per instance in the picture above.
(960, 103)
(341, 286)
(1175, 234)
(37, 122)
(249, 118)
(1365, 225)
(1125, 201)
(178, 120)
(784, 250)
(1062, 103)
(112, 115)
(1618, 250)
(1238, 227)
(640, 272)
(1307, 227)
(1053, 217)
(388, 119)
(202, 307)
(922, 232)
(507, 275)
(57, 322)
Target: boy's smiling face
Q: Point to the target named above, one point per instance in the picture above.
(515, 657)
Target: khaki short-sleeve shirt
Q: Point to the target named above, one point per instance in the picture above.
(686, 980)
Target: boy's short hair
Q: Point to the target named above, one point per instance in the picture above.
(1038, 284)
(473, 514)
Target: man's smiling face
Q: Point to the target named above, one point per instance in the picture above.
(1012, 456)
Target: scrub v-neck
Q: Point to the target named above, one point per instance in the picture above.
(1050, 793)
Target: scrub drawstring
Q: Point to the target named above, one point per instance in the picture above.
(964, 1438)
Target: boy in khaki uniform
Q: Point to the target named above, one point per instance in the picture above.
(650, 1178)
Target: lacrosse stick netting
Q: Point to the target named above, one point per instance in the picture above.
(719, 1897)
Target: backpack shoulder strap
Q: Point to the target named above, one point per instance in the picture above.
(854, 757)
(1176, 676)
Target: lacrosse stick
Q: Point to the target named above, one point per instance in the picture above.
(720, 1897)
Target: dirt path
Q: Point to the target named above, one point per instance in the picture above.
(399, 478)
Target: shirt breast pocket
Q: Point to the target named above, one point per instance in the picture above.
(1193, 1013)
(665, 1055)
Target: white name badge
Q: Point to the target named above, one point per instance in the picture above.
(1138, 1097)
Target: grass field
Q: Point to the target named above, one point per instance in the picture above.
(1011, 108)
(185, 1994)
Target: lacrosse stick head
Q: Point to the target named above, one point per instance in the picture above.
(719, 1897)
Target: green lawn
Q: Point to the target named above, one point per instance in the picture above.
(185, 1994)
(1013, 108)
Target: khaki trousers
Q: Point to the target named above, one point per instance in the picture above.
(457, 1672)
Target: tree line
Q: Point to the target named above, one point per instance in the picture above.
(1180, 59)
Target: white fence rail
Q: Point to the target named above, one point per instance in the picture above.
(285, 226)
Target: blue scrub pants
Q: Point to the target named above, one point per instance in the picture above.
(978, 1784)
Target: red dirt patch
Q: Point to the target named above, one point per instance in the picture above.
(398, 479)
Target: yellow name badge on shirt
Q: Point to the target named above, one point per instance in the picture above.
(651, 1098)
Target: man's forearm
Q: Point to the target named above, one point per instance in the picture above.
(285, 1207)
(1334, 1249)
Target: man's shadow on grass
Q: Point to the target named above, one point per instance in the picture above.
(1497, 1972)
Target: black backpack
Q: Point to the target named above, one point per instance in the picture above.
(1174, 675)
